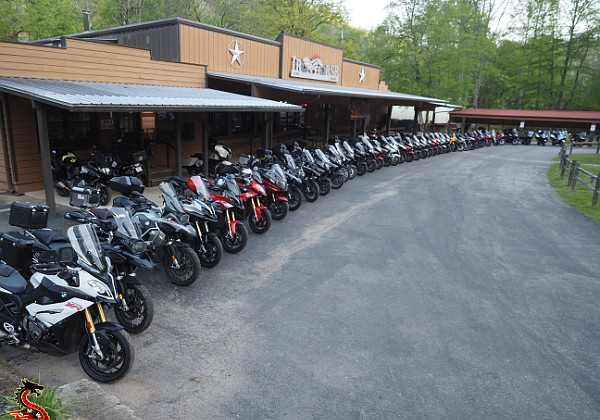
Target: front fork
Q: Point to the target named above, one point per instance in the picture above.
(256, 207)
(96, 352)
(230, 218)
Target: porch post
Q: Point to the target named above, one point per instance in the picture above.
(415, 125)
(45, 155)
(388, 120)
(178, 169)
(327, 123)
(205, 146)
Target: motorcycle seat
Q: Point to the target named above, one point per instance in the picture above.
(11, 280)
(49, 236)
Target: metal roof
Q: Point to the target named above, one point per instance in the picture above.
(328, 90)
(514, 116)
(99, 96)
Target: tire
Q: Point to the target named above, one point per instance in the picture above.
(361, 168)
(105, 195)
(345, 173)
(460, 147)
(212, 253)
(378, 163)
(387, 161)
(279, 209)
(311, 191)
(410, 157)
(140, 311)
(371, 165)
(237, 243)
(352, 169)
(63, 192)
(324, 186)
(337, 180)
(395, 160)
(118, 355)
(261, 225)
(189, 269)
(295, 200)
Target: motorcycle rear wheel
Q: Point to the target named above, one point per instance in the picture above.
(118, 355)
(189, 266)
(140, 309)
(212, 253)
(295, 200)
(236, 243)
(261, 225)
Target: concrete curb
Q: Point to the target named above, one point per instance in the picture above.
(91, 403)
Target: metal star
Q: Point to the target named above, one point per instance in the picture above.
(361, 76)
(236, 53)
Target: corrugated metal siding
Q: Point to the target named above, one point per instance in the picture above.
(163, 41)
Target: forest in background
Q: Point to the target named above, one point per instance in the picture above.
(532, 54)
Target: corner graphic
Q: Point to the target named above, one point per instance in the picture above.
(28, 409)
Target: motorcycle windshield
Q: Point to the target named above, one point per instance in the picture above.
(290, 161)
(124, 223)
(87, 246)
(232, 185)
(170, 197)
(322, 156)
(277, 169)
(308, 156)
(202, 191)
(256, 176)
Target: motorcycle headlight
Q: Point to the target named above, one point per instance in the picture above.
(138, 247)
(105, 171)
(100, 288)
(184, 219)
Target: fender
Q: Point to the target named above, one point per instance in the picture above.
(281, 197)
(108, 326)
(179, 244)
(258, 210)
(232, 226)
(139, 262)
(130, 280)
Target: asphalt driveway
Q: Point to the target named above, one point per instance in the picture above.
(460, 286)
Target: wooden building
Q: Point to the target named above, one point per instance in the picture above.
(174, 86)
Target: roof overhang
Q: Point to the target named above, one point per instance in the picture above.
(303, 88)
(535, 118)
(127, 97)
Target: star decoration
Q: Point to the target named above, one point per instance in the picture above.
(236, 54)
(361, 76)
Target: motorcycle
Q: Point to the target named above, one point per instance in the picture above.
(166, 231)
(64, 168)
(59, 310)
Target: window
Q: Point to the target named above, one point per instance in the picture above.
(72, 130)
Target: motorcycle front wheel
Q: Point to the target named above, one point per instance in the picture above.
(261, 225)
(352, 169)
(189, 265)
(140, 309)
(211, 252)
(337, 180)
(371, 165)
(324, 186)
(295, 200)
(361, 168)
(311, 190)
(117, 355)
(236, 243)
(279, 209)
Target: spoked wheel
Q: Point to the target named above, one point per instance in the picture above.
(378, 163)
(211, 251)
(261, 225)
(324, 186)
(295, 200)
(311, 190)
(182, 266)
(140, 309)
(236, 243)
(117, 355)
(279, 209)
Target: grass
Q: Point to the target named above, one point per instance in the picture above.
(581, 198)
(49, 401)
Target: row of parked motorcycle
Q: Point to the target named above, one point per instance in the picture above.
(97, 170)
(55, 285)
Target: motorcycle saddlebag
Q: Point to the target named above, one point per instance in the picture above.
(126, 185)
(17, 250)
(84, 197)
(28, 215)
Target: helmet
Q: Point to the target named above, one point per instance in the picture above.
(223, 151)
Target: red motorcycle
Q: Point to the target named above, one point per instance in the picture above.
(275, 182)
(252, 189)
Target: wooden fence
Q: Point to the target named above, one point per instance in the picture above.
(577, 174)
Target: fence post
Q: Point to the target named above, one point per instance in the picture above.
(563, 165)
(571, 171)
(575, 174)
(596, 191)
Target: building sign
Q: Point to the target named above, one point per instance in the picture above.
(314, 69)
